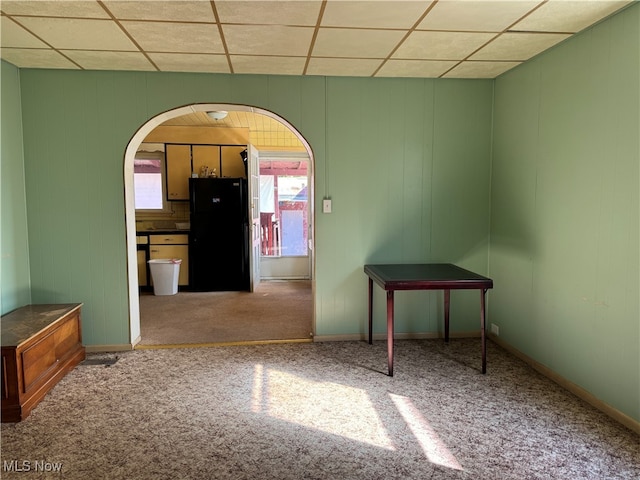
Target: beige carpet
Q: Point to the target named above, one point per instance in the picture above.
(277, 310)
(316, 411)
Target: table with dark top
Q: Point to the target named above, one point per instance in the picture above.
(425, 276)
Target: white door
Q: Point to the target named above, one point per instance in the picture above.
(290, 186)
(253, 160)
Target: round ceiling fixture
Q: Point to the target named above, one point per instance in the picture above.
(218, 114)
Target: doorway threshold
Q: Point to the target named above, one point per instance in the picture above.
(221, 344)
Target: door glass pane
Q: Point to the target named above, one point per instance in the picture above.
(293, 241)
(284, 219)
(292, 204)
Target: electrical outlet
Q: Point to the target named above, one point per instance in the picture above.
(326, 205)
(495, 329)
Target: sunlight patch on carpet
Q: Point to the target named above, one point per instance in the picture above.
(325, 406)
(433, 447)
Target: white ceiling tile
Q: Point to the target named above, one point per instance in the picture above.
(343, 42)
(97, 60)
(13, 35)
(56, 8)
(71, 33)
(268, 40)
(470, 69)
(342, 67)
(354, 37)
(441, 45)
(32, 58)
(268, 65)
(190, 62)
(175, 11)
(568, 15)
(518, 46)
(415, 68)
(301, 13)
(488, 16)
(373, 14)
(176, 37)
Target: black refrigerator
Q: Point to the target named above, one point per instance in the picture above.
(219, 236)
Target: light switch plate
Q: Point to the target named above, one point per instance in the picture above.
(326, 205)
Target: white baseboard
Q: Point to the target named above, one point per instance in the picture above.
(577, 390)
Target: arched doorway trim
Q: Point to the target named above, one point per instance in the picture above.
(130, 221)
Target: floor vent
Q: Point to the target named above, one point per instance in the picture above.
(106, 361)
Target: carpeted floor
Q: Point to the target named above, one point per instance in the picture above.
(277, 310)
(316, 411)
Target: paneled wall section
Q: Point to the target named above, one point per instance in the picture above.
(388, 151)
(15, 285)
(565, 210)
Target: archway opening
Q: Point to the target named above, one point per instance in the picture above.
(130, 211)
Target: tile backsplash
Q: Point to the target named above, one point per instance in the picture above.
(179, 213)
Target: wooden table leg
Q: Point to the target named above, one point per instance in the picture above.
(482, 330)
(390, 331)
(447, 303)
(370, 311)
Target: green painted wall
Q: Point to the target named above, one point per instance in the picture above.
(14, 285)
(565, 210)
(406, 162)
(407, 168)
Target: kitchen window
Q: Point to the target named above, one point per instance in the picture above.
(149, 182)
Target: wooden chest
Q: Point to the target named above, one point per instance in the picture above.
(40, 344)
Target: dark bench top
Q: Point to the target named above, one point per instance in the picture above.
(23, 323)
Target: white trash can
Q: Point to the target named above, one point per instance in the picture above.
(164, 273)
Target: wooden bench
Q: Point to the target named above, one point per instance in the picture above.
(40, 344)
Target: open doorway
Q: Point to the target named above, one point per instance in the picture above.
(188, 114)
(285, 214)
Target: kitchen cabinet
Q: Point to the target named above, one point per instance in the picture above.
(178, 159)
(172, 246)
(142, 242)
(206, 155)
(231, 161)
(184, 159)
(142, 268)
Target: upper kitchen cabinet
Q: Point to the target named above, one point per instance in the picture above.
(178, 171)
(206, 156)
(189, 148)
(232, 163)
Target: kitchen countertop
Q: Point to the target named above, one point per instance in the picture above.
(161, 232)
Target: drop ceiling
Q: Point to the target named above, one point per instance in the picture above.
(383, 38)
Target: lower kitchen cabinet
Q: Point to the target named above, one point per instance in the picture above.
(172, 246)
(142, 254)
(142, 268)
